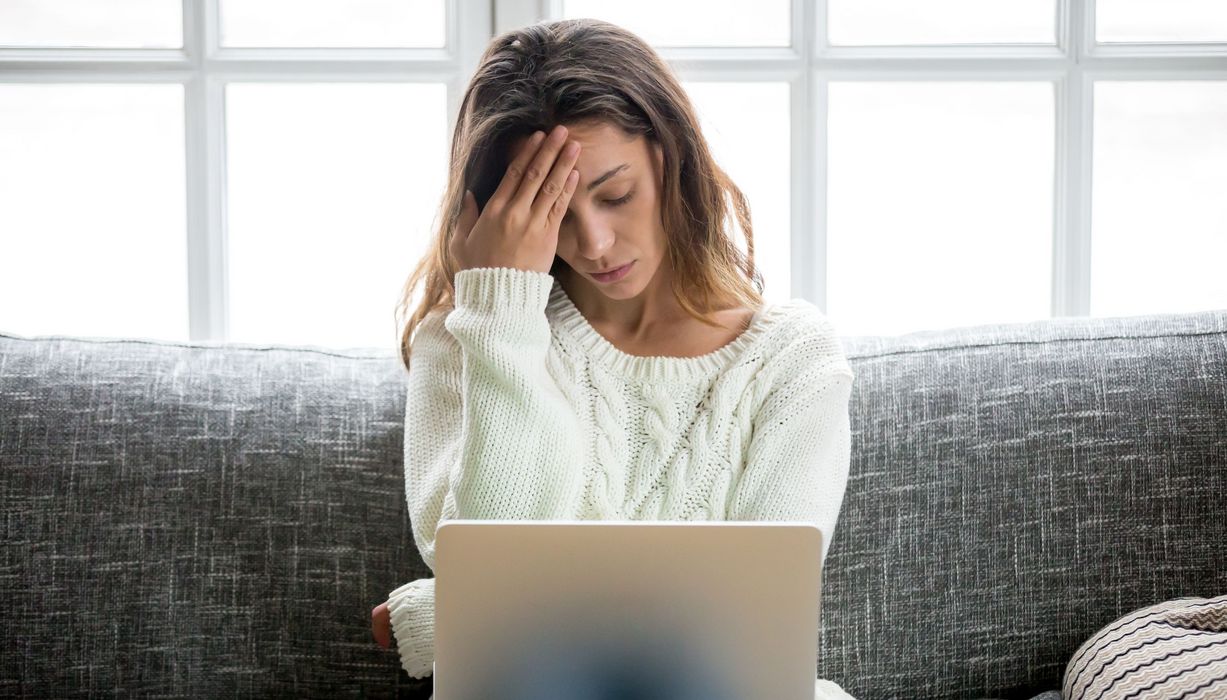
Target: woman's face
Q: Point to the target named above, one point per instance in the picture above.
(614, 215)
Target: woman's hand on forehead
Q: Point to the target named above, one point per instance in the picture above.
(518, 227)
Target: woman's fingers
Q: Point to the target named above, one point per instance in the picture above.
(531, 199)
(468, 214)
(538, 168)
(507, 187)
(381, 625)
(559, 207)
(555, 186)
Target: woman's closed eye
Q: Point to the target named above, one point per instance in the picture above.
(620, 200)
(611, 202)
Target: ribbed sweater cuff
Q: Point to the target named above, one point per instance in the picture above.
(412, 608)
(503, 288)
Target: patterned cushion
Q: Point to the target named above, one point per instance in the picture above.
(1174, 649)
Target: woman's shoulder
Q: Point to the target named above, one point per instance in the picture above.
(799, 321)
(804, 339)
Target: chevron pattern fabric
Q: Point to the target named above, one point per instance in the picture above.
(1173, 649)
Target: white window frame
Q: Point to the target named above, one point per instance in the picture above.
(204, 68)
(1072, 65)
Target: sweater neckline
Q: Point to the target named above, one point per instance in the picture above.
(658, 367)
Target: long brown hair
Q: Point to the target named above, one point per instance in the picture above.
(574, 70)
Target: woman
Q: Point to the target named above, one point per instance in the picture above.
(585, 304)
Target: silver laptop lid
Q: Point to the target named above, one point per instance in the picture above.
(670, 609)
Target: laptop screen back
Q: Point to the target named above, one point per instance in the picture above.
(669, 609)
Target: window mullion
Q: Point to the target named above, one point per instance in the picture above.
(205, 179)
(809, 259)
(1072, 186)
(512, 14)
(470, 25)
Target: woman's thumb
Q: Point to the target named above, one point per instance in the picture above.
(468, 214)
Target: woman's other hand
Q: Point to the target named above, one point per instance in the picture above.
(518, 227)
(381, 625)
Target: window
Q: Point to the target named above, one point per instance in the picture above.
(268, 171)
(945, 157)
(262, 171)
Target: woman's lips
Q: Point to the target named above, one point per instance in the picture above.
(615, 275)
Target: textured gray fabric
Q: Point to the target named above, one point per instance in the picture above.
(1014, 488)
(196, 520)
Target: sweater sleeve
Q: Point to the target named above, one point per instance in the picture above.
(488, 433)
(800, 448)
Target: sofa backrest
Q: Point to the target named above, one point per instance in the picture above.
(1016, 487)
(222, 518)
(199, 518)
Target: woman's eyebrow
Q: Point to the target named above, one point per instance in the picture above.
(613, 171)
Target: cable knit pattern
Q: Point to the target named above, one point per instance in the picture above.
(517, 408)
(608, 413)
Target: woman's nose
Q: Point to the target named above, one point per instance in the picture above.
(592, 240)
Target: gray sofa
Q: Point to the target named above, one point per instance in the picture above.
(206, 520)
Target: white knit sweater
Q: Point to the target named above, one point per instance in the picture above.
(512, 390)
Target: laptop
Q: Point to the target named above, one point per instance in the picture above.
(635, 610)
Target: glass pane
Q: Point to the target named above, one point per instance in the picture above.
(140, 24)
(693, 22)
(940, 204)
(746, 126)
(332, 23)
(907, 22)
(1170, 20)
(1159, 216)
(332, 192)
(92, 213)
